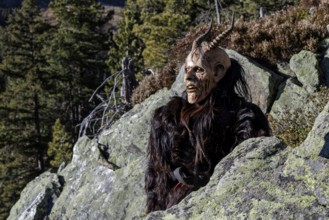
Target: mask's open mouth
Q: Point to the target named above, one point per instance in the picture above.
(191, 88)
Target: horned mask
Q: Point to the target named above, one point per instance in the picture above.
(205, 65)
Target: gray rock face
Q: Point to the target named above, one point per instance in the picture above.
(37, 198)
(88, 172)
(128, 137)
(262, 82)
(306, 67)
(179, 87)
(260, 178)
(292, 97)
(285, 70)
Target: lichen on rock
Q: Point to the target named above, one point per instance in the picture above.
(306, 66)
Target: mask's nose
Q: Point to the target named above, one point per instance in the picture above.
(190, 75)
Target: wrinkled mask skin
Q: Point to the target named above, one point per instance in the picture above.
(204, 68)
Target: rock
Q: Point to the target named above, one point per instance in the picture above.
(37, 198)
(306, 67)
(262, 82)
(318, 136)
(325, 67)
(285, 70)
(128, 137)
(324, 44)
(259, 178)
(96, 189)
(88, 172)
(292, 98)
(179, 87)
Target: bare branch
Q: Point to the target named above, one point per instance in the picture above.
(109, 110)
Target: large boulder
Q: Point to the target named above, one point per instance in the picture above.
(263, 82)
(88, 172)
(292, 99)
(127, 138)
(306, 66)
(106, 176)
(38, 197)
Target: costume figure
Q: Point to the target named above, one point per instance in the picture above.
(192, 133)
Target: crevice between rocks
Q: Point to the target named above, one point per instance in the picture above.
(103, 149)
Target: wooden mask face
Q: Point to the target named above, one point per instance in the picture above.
(204, 68)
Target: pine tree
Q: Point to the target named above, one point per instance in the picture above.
(162, 23)
(60, 148)
(23, 120)
(125, 42)
(76, 55)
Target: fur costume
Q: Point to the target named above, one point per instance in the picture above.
(192, 133)
(196, 137)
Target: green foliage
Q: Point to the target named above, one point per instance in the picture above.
(126, 43)
(294, 127)
(46, 73)
(163, 22)
(60, 148)
(76, 56)
(13, 177)
(24, 98)
(23, 101)
(149, 27)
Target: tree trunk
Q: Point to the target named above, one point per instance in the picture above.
(39, 146)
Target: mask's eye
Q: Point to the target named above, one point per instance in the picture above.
(187, 69)
(219, 69)
(198, 69)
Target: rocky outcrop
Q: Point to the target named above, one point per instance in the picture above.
(292, 97)
(106, 176)
(37, 198)
(260, 178)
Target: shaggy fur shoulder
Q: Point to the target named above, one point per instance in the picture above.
(214, 131)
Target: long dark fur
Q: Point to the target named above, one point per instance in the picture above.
(197, 136)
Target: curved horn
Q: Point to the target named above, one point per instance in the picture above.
(216, 41)
(197, 42)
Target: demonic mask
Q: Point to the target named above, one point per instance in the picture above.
(205, 66)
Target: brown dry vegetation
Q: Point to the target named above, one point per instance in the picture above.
(278, 37)
(150, 84)
(293, 128)
(270, 40)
